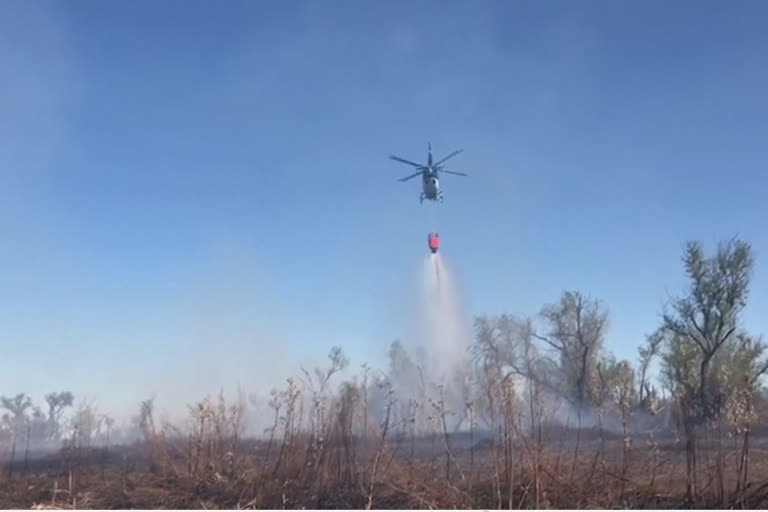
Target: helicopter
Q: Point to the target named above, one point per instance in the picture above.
(430, 182)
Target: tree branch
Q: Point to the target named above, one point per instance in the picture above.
(559, 348)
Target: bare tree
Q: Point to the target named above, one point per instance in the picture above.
(56, 404)
(495, 355)
(17, 406)
(493, 352)
(575, 332)
(338, 363)
(647, 396)
(405, 376)
(145, 418)
(319, 417)
(84, 424)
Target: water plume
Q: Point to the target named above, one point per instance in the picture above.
(443, 333)
(432, 369)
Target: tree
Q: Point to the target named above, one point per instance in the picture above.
(339, 363)
(647, 396)
(56, 404)
(494, 354)
(742, 364)
(403, 371)
(142, 426)
(319, 418)
(575, 333)
(496, 341)
(147, 417)
(615, 383)
(407, 381)
(706, 317)
(17, 407)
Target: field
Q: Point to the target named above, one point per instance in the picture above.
(525, 416)
(566, 469)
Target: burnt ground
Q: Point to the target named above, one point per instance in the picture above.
(410, 473)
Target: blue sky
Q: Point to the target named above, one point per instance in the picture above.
(194, 194)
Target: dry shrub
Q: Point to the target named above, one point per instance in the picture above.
(332, 446)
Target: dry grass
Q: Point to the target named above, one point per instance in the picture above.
(381, 474)
(363, 447)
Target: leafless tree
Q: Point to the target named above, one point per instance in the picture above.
(17, 407)
(647, 396)
(56, 404)
(575, 332)
(319, 417)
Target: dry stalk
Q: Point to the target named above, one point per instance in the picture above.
(382, 445)
(275, 403)
(654, 445)
(690, 450)
(625, 403)
(743, 467)
(288, 421)
(510, 427)
(563, 435)
(12, 459)
(442, 412)
(471, 411)
(366, 371)
(28, 438)
(578, 443)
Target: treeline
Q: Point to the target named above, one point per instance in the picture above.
(22, 418)
(27, 426)
(710, 365)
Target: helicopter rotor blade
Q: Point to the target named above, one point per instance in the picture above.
(449, 156)
(411, 176)
(404, 161)
(454, 172)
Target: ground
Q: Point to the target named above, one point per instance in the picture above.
(406, 472)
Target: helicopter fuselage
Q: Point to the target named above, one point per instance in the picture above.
(430, 185)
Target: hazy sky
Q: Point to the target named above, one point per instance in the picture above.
(195, 194)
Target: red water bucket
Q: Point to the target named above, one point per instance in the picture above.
(434, 242)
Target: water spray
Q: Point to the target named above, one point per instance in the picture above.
(444, 336)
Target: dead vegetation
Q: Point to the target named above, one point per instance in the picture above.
(509, 470)
(540, 417)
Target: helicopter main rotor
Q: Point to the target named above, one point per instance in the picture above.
(430, 168)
